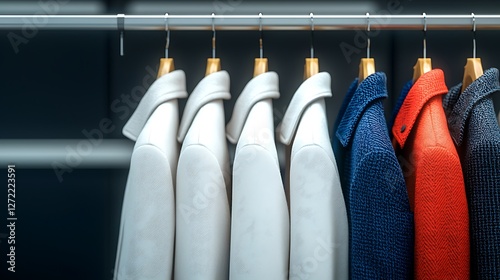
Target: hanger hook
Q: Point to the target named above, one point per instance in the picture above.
(368, 40)
(473, 35)
(261, 47)
(120, 18)
(167, 29)
(425, 34)
(213, 35)
(312, 34)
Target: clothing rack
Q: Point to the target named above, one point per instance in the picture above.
(249, 22)
(39, 153)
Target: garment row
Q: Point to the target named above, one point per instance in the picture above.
(418, 200)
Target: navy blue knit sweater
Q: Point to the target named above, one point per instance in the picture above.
(380, 221)
(475, 130)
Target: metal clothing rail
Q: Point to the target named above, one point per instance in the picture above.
(247, 22)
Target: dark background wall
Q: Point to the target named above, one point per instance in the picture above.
(61, 82)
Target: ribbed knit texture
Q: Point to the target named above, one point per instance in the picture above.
(434, 179)
(475, 130)
(380, 220)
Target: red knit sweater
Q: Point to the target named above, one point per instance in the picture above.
(434, 179)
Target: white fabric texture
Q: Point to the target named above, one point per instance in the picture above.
(146, 241)
(264, 86)
(316, 87)
(167, 87)
(260, 220)
(202, 207)
(319, 236)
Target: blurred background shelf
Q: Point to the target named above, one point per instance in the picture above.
(71, 153)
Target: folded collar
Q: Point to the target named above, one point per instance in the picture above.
(167, 87)
(357, 100)
(426, 87)
(262, 87)
(459, 106)
(212, 87)
(312, 89)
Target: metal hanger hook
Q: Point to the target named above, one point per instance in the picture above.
(368, 40)
(425, 34)
(312, 34)
(167, 29)
(213, 35)
(260, 22)
(120, 21)
(473, 35)
(261, 47)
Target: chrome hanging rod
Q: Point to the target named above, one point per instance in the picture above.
(247, 22)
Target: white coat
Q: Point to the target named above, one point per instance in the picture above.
(146, 241)
(319, 235)
(260, 220)
(203, 177)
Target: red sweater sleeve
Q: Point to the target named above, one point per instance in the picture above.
(441, 217)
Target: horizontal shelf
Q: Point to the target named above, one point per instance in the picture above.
(66, 153)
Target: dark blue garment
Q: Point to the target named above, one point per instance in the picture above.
(380, 221)
(399, 103)
(475, 131)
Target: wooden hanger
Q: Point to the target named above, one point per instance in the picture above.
(366, 68)
(422, 66)
(260, 66)
(311, 67)
(213, 65)
(473, 69)
(366, 65)
(166, 66)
